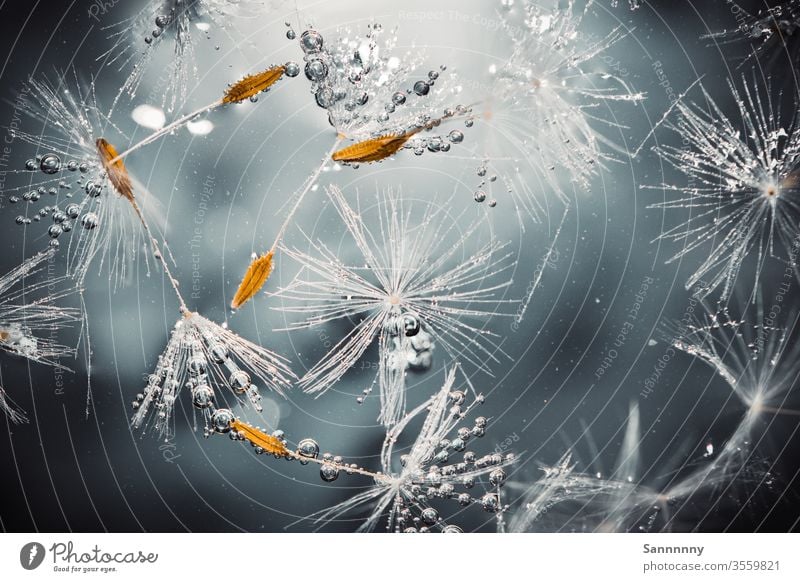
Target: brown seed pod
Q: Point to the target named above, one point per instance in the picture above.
(252, 85)
(257, 274)
(373, 150)
(269, 443)
(116, 171)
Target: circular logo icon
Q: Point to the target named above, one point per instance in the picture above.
(31, 555)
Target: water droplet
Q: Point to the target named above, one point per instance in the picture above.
(221, 420)
(308, 448)
(239, 381)
(490, 502)
(93, 189)
(422, 88)
(430, 515)
(497, 477)
(411, 325)
(73, 210)
(456, 136)
(292, 69)
(329, 472)
(480, 196)
(90, 221)
(50, 164)
(202, 396)
(316, 70)
(311, 41)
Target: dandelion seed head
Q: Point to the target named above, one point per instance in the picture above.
(546, 102)
(101, 222)
(176, 24)
(438, 468)
(213, 364)
(411, 290)
(742, 187)
(371, 93)
(765, 32)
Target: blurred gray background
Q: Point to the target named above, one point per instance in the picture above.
(68, 472)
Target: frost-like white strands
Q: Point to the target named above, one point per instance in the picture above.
(769, 33)
(757, 361)
(742, 187)
(174, 23)
(563, 494)
(427, 472)
(546, 98)
(411, 288)
(28, 324)
(564, 499)
(369, 91)
(72, 151)
(205, 357)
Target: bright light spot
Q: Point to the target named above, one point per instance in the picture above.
(709, 450)
(204, 26)
(149, 117)
(202, 127)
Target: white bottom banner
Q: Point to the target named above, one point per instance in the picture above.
(351, 557)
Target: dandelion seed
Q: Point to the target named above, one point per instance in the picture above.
(257, 274)
(252, 85)
(172, 22)
(757, 361)
(206, 359)
(365, 91)
(743, 185)
(564, 499)
(27, 326)
(406, 297)
(371, 96)
(79, 154)
(268, 443)
(769, 32)
(429, 471)
(545, 99)
(246, 88)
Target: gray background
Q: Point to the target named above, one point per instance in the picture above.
(64, 471)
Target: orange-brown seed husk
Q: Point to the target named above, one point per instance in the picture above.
(116, 171)
(252, 85)
(373, 150)
(257, 274)
(269, 443)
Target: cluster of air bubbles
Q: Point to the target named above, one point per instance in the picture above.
(449, 472)
(162, 21)
(51, 164)
(484, 189)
